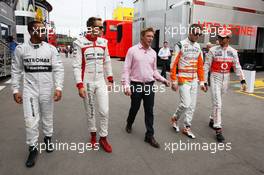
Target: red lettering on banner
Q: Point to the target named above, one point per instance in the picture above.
(217, 24)
(202, 24)
(236, 29)
(250, 31)
(243, 31)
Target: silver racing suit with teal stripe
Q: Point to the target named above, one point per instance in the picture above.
(41, 68)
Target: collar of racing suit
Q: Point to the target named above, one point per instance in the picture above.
(90, 37)
(35, 46)
(189, 41)
(224, 48)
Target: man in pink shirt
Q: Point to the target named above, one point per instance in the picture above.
(139, 74)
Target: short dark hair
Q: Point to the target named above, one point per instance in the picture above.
(90, 22)
(165, 42)
(31, 25)
(144, 31)
(194, 27)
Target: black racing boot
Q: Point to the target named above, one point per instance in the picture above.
(219, 136)
(211, 123)
(32, 157)
(49, 145)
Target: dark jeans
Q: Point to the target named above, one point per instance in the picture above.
(142, 91)
(164, 68)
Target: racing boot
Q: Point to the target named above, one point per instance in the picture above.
(105, 145)
(93, 139)
(49, 145)
(219, 136)
(32, 157)
(175, 124)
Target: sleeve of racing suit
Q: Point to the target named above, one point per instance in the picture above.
(174, 63)
(157, 75)
(58, 69)
(237, 67)
(127, 69)
(175, 53)
(77, 66)
(207, 65)
(200, 69)
(108, 66)
(17, 69)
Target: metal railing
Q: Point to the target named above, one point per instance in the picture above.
(5, 59)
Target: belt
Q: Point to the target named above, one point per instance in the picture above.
(142, 83)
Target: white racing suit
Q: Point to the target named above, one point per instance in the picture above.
(90, 64)
(41, 67)
(189, 63)
(219, 61)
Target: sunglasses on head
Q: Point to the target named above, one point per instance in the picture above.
(222, 38)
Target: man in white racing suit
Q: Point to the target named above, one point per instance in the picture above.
(90, 64)
(41, 67)
(219, 61)
(188, 61)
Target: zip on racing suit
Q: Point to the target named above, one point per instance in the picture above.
(189, 62)
(219, 61)
(91, 62)
(41, 67)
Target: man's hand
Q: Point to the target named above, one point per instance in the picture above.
(166, 83)
(243, 85)
(174, 87)
(57, 95)
(109, 86)
(128, 91)
(82, 93)
(18, 98)
(204, 87)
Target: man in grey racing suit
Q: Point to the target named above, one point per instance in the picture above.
(219, 61)
(41, 67)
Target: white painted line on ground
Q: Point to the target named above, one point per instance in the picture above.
(2, 87)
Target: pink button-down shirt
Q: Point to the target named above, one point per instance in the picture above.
(140, 66)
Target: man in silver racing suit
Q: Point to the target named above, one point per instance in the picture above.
(41, 67)
(219, 61)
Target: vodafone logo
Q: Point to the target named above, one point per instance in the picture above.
(224, 66)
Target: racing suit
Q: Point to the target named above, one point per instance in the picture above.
(188, 61)
(41, 67)
(90, 64)
(219, 61)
